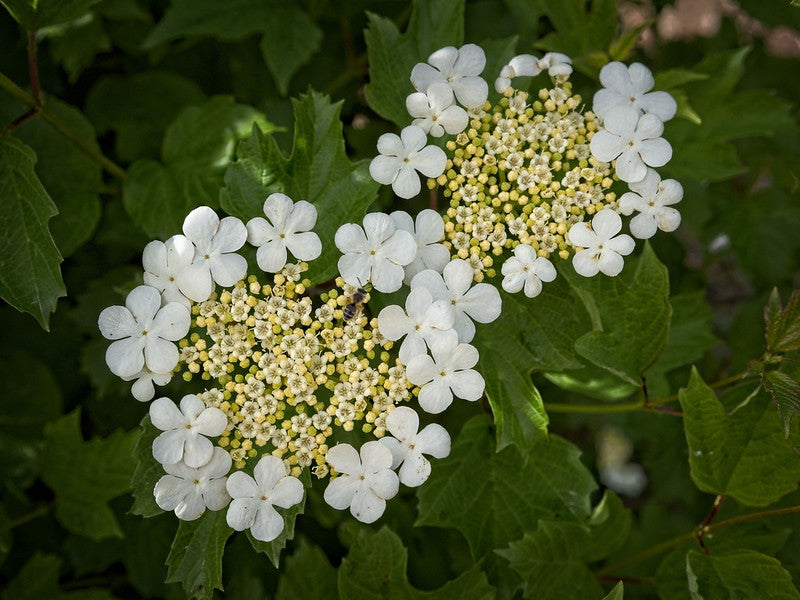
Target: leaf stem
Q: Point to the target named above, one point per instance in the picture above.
(37, 512)
(33, 68)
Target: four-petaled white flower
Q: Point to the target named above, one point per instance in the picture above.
(526, 269)
(364, 483)
(422, 320)
(184, 430)
(448, 373)
(144, 332)
(628, 86)
(289, 227)
(253, 499)
(189, 491)
(634, 140)
(527, 65)
(428, 232)
(164, 262)
(602, 250)
(408, 446)
(215, 258)
(652, 198)
(435, 111)
(480, 302)
(402, 156)
(376, 253)
(459, 68)
(143, 389)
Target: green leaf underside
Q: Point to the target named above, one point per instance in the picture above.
(290, 39)
(375, 568)
(296, 583)
(785, 392)
(195, 559)
(738, 574)
(743, 453)
(85, 475)
(30, 273)
(783, 323)
(493, 497)
(317, 171)
(631, 320)
(392, 55)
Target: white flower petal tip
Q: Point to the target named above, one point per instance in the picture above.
(528, 65)
(377, 252)
(408, 446)
(190, 491)
(143, 388)
(601, 248)
(287, 227)
(652, 199)
(459, 69)
(365, 480)
(164, 262)
(629, 87)
(185, 430)
(402, 156)
(428, 232)
(435, 111)
(526, 270)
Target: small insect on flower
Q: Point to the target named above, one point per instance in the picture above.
(352, 309)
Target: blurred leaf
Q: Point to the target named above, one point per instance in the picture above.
(631, 320)
(38, 580)
(35, 14)
(295, 581)
(195, 560)
(672, 78)
(197, 147)
(290, 39)
(85, 475)
(317, 171)
(30, 274)
(493, 497)
(392, 55)
(147, 472)
(376, 568)
(146, 545)
(6, 539)
(783, 323)
(39, 389)
(581, 27)
(76, 44)
(742, 454)
(785, 392)
(616, 593)
(622, 47)
(738, 574)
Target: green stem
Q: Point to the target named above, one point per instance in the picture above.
(594, 409)
(25, 98)
(713, 385)
(38, 512)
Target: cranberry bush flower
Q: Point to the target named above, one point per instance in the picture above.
(402, 156)
(190, 491)
(459, 69)
(428, 231)
(602, 249)
(365, 482)
(254, 498)
(143, 388)
(528, 65)
(376, 253)
(287, 226)
(435, 111)
(143, 331)
(629, 86)
(652, 198)
(164, 262)
(184, 430)
(526, 270)
(408, 446)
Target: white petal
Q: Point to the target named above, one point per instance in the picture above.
(164, 415)
(433, 282)
(117, 322)
(406, 184)
(211, 421)
(398, 450)
(629, 166)
(606, 224)
(340, 492)
(143, 302)
(271, 256)
(544, 269)
(231, 235)
(581, 235)
(655, 152)
(417, 104)
(585, 264)
(641, 78)
(171, 322)
(219, 464)
(355, 269)
(444, 59)
(344, 458)
(259, 231)
(606, 146)
(269, 471)
(643, 226)
(227, 269)
(415, 470)
(421, 369)
(471, 60)
(384, 169)
(303, 217)
(170, 491)
(277, 208)
(403, 423)
(125, 357)
(467, 385)
(649, 127)
(386, 277)
(367, 507)
(384, 483)
(482, 303)
(622, 244)
(160, 355)
(524, 65)
(191, 508)
(143, 389)
(660, 104)
(434, 441)
(350, 238)
(458, 276)
(470, 91)
(197, 450)
(435, 397)
(195, 282)
(413, 138)
(390, 144)
(241, 485)
(533, 286)
(610, 263)
(393, 322)
(668, 219)
(513, 281)
(375, 457)
(268, 523)
(287, 492)
(304, 246)
(615, 76)
(453, 119)
(242, 512)
(215, 495)
(630, 202)
(430, 161)
(201, 225)
(168, 447)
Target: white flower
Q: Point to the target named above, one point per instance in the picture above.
(429, 231)
(557, 64)
(402, 156)
(448, 373)
(527, 65)
(435, 111)
(526, 269)
(215, 258)
(289, 226)
(253, 499)
(459, 69)
(163, 264)
(184, 430)
(628, 86)
(376, 253)
(143, 389)
(603, 252)
(422, 320)
(144, 332)
(408, 446)
(635, 141)
(652, 197)
(364, 483)
(480, 302)
(190, 491)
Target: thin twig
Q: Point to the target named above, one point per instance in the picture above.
(33, 68)
(18, 122)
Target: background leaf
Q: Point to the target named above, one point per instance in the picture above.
(742, 573)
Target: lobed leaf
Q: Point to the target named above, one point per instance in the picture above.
(147, 472)
(290, 39)
(785, 392)
(295, 581)
(783, 323)
(738, 574)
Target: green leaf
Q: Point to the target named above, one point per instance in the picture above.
(392, 55)
(581, 27)
(783, 324)
(30, 275)
(147, 472)
(290, 39)
(741, 453)
(40, 390)
(35, 14)
(317, 171)
(6, 539)
(492, 497)
(197, 148)
(622, 48)
(738, 574)
(295, 581)
(785, 392)
(616, 593)
(85, 475)
(37, 579)
(75, 44)
(195, 560)
(375, 568)
(631, 320)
